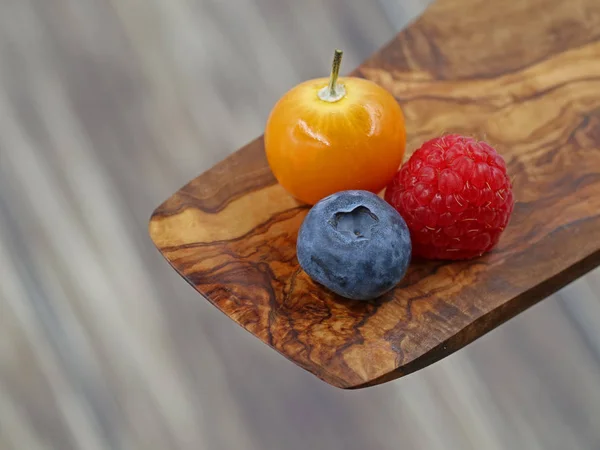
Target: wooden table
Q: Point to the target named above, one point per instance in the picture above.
(106, 108)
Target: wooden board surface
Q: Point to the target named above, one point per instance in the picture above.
(231, 232)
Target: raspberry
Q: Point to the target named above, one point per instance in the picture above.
(455, 196)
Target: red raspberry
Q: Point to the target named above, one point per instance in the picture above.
(455, 197)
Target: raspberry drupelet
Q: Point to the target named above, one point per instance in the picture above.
(455, 196)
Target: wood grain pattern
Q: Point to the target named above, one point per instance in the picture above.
(231, 232)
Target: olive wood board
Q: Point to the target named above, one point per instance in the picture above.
(524, 76)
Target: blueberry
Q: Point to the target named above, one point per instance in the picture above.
(355, 244)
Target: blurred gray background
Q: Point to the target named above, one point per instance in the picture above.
(106, 108)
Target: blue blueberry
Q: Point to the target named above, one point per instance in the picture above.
(355, 244)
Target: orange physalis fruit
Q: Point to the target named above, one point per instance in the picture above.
(329, 135)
